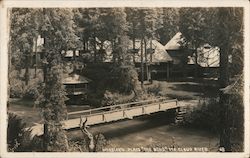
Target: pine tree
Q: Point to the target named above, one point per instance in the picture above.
(23, 29)
(58, 32)
(222, 27)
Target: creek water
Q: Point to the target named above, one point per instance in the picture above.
(156, 130)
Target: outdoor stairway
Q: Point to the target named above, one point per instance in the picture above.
(181, 111)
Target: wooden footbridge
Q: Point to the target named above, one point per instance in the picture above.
(112, 113)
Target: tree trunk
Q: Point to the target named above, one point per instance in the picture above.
(142, 65)
(45, 137)
(223, 37)
(146, 60)
(54, 137)
(196, 65)
(36, 62)
(94, 44)
(133, 49)
(151, 60)
(225, 133)
(27, 69)
(84, 45)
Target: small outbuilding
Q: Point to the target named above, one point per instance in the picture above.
(76, 87)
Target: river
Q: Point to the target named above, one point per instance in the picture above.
(155, 130)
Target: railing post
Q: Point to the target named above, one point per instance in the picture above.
(103, 118)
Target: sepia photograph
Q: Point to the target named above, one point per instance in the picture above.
(125, 79)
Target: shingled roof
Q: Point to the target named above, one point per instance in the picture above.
(159, 55)
(174, 43)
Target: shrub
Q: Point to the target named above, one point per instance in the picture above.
(154, 89)
(204, 116)
(113, 98)
(18, 139)
(16, 85)
(31, 90)
(82, 145)
(101, 142)
(36, 144)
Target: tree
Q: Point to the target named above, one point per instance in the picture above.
(23, 29)
(220, 27)
(229, 36)
(168, 20)
(57, 29)
(143, 24)
(87, 22)
(196, 26)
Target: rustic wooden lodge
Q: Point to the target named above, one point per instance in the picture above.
(180, 56)
(157, 62)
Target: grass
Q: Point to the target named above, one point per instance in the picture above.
(22, 102)
(172, 90)
(184, 90)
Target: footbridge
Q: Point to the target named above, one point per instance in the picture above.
(112, 113)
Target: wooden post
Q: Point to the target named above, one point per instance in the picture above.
(167, 70)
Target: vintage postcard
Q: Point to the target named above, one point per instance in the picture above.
(124, 78)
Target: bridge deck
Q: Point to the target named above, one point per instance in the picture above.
(113, 113)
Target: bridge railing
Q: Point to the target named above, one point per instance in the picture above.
(118, 107)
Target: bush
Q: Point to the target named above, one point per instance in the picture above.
(114, 98)
(31, 90)
(36, 144)
(18, 139)
(16, 85)
(154, 89)
(82, 145)
(204, 116)
(236, 113)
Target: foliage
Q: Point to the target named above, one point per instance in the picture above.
(82, 145)
(51, 99)
(36, 144)
(31, 90)
(18, 89)
(16, 85)
(127, 80)
(222, 27)
(155, 89)
(18, 139)
(204, 116)
(114, 98)
(23, 29)
(57, 28)
(168, 24)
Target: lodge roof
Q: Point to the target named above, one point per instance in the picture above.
(175, 42)
(159, 55)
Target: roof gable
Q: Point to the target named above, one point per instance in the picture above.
(174, 43)
(159, 55)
